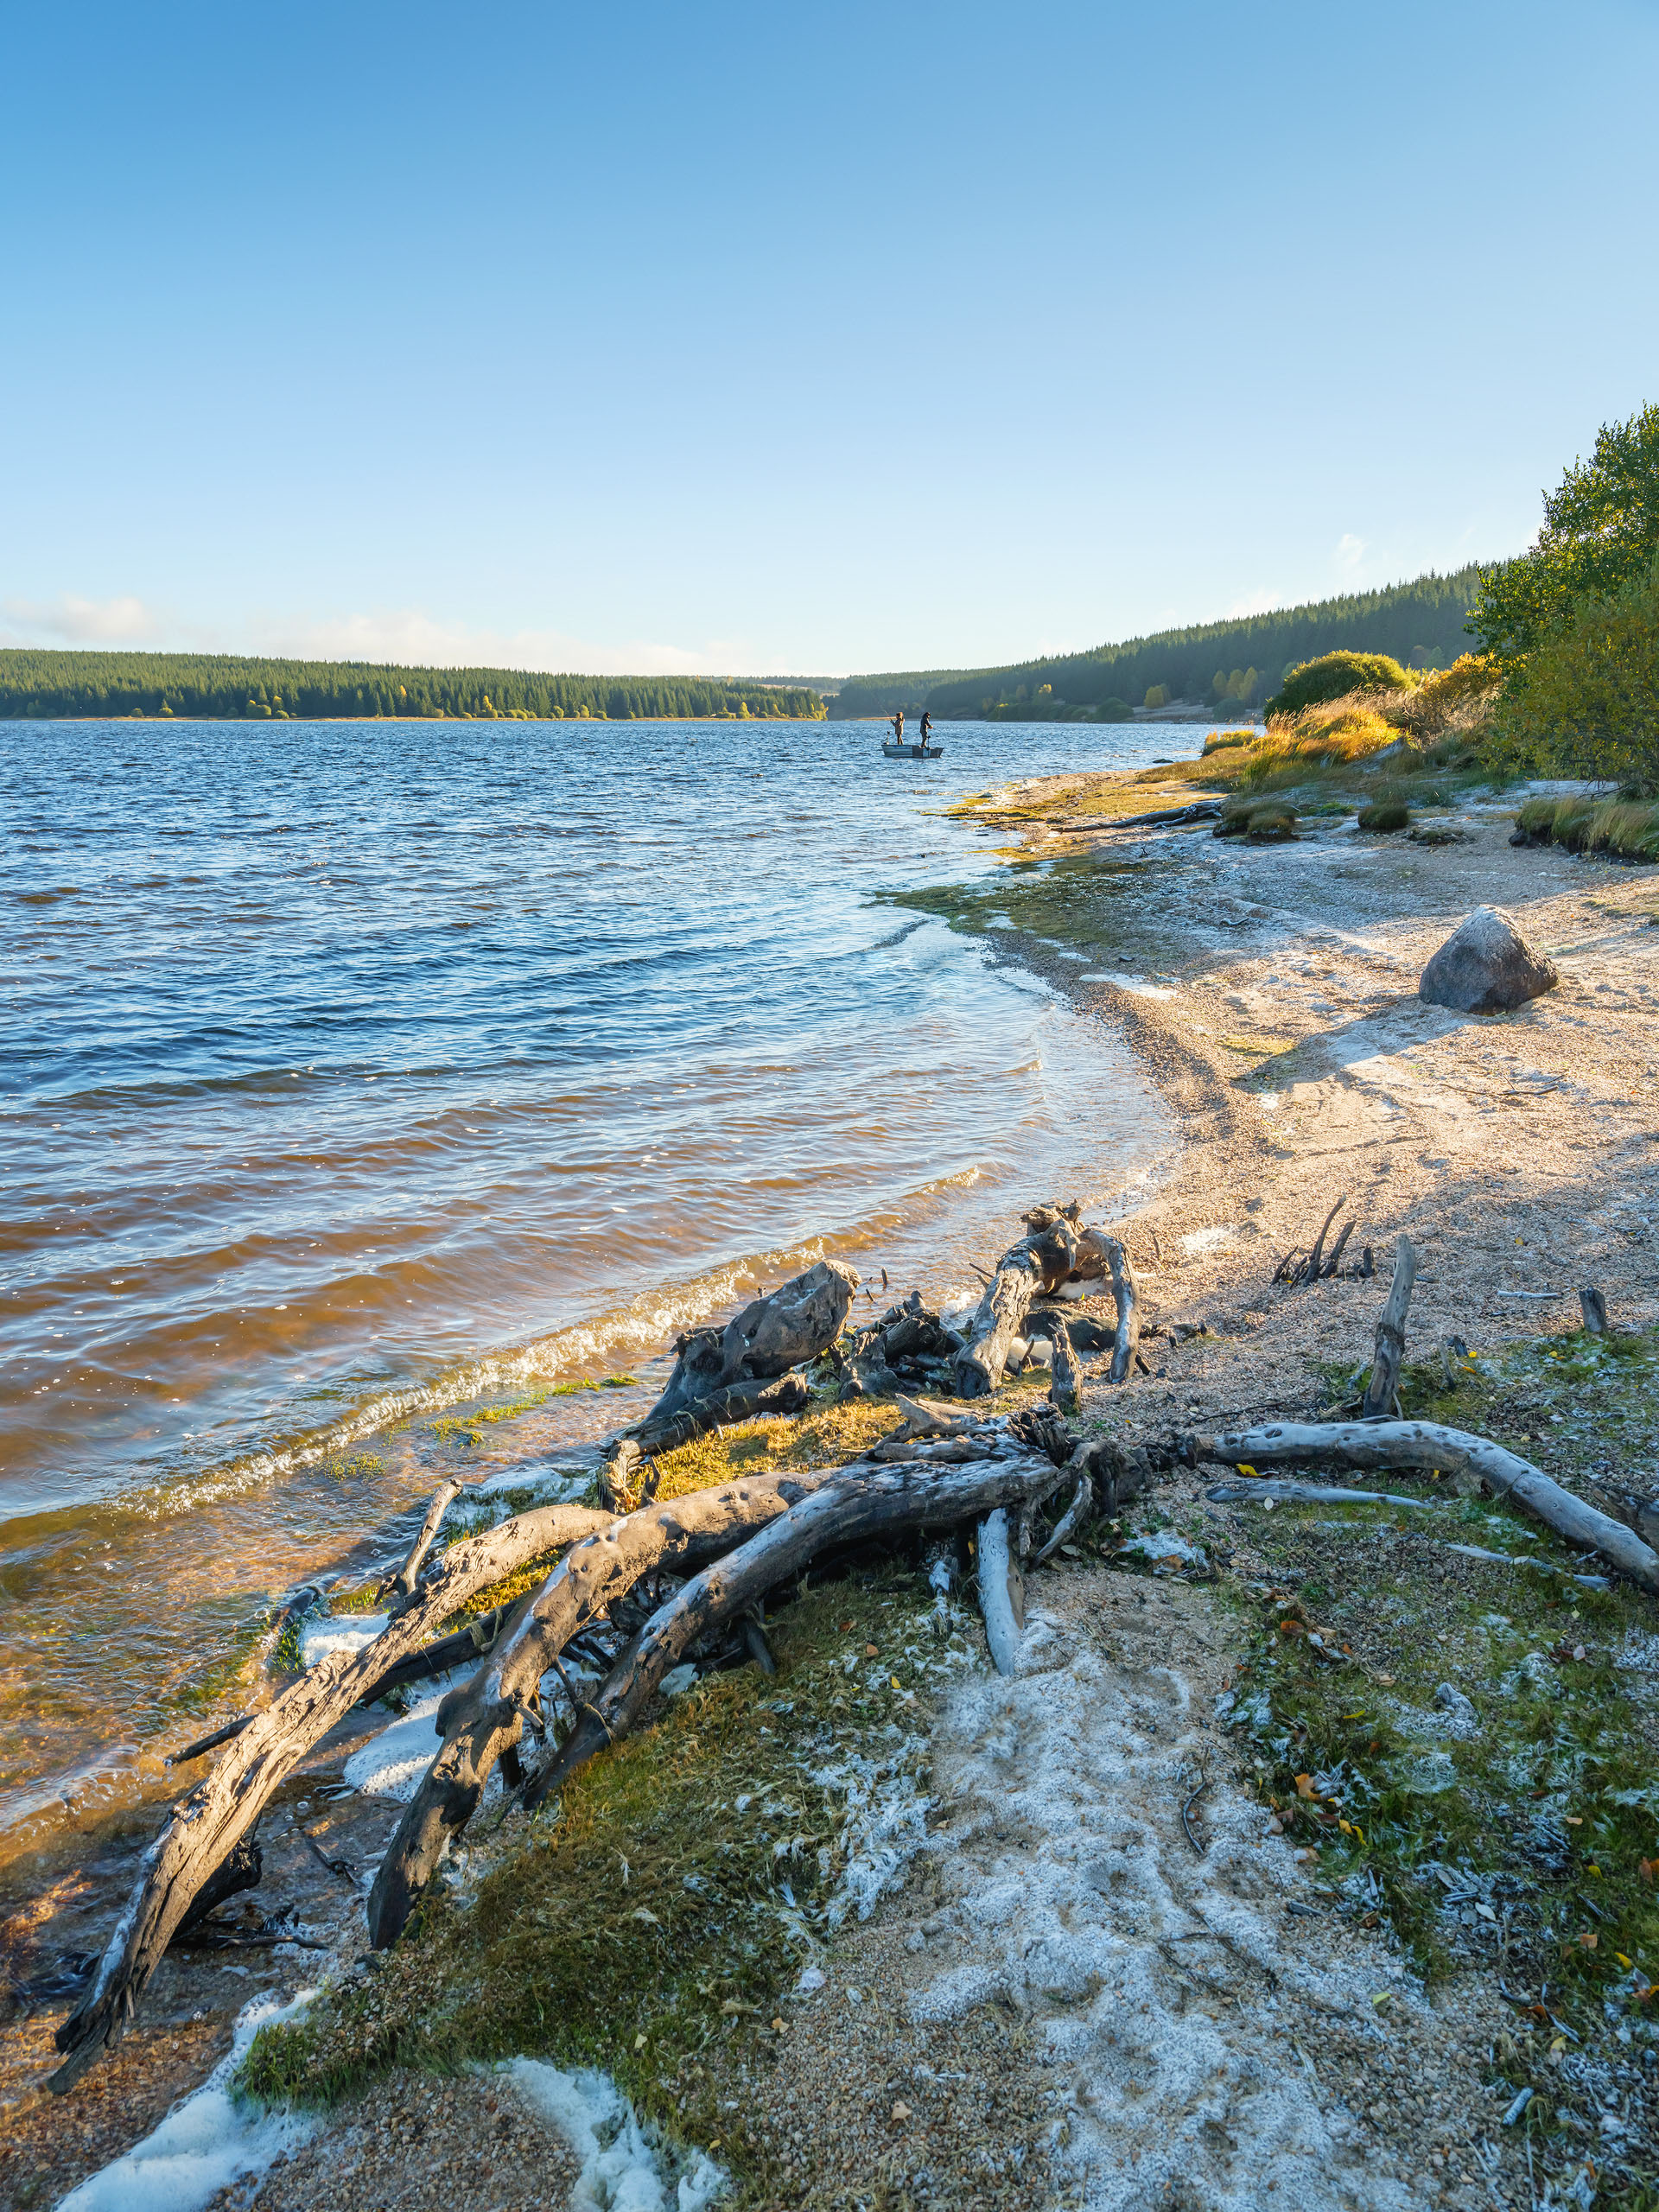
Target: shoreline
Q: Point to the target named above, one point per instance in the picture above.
(1284, 1036)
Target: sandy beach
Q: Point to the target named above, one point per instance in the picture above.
(1110, 1970)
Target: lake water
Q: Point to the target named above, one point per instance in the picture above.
(358, 1071)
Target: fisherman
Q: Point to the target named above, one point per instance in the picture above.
(898, 727)
(927, 724)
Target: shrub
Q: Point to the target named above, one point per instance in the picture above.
(1262, 821)
(1114, 710)
(1157, 695)
(1384, 814)
(1333, 675)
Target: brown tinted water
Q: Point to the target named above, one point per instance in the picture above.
(358, 1073)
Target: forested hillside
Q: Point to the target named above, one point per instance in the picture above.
(1420, 624)
(225, 687)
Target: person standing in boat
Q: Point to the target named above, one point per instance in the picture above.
(927, 724)
(898, 727)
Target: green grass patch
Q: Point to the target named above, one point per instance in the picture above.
(1526, 1846)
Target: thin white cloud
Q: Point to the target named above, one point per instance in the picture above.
(409, 636)
(1256, 602)
(69, 619)
(1351, 550)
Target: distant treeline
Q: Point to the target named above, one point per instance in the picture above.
(1420, 624)
(223, 687)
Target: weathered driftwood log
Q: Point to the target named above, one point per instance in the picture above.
(1001, 1590)
(1271, 1493)
(207, 1827)
(484, 1717)
(1125, 1297)
(995, 1323)
(720, 1409)
(1425, 1444)
(402, 1583)
(1067, 1376)
(1382, 1390)
(769, 1337)
(1039, 1264)
(855, 1504)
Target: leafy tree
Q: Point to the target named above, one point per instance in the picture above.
(1591, 700)
(1600, 532)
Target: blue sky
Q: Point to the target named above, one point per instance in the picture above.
(810, 339)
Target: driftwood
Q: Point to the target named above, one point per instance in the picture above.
(208, 1825)
(995, 1323)
(720, 1409)
(769, 1337)
(1381, 1392)
(1299, 1267)
(1067, 1375)
(1425, 1444)
(1075, 1513)
(1127, 1340)
(850, 1507)
(485, 1717)
(402, 1583)
(1260, 1493)
(1002, 1590)
(211, 1742)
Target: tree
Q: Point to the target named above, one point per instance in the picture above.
(1600, 532)
(1591, 698)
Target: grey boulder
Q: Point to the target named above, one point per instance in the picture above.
(1486, 966)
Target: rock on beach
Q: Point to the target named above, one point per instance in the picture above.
(1486, 966)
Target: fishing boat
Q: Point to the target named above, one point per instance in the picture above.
(897, 751)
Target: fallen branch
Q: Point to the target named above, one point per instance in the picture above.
(402, 1583)
(210, 1742)
(1425, 1444)
(207, 1827)
(1310, 1494)
(720, 1409)
(851, 1507)
(1082, 1499)
(1002, 1590)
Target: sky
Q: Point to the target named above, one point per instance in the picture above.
(762, 339)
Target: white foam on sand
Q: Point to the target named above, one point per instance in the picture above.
(326, 1632)
(624, 2167)
(209, 2140)
(1169, 1988)
(391, 1764)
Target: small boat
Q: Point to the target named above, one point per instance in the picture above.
(911, 752)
